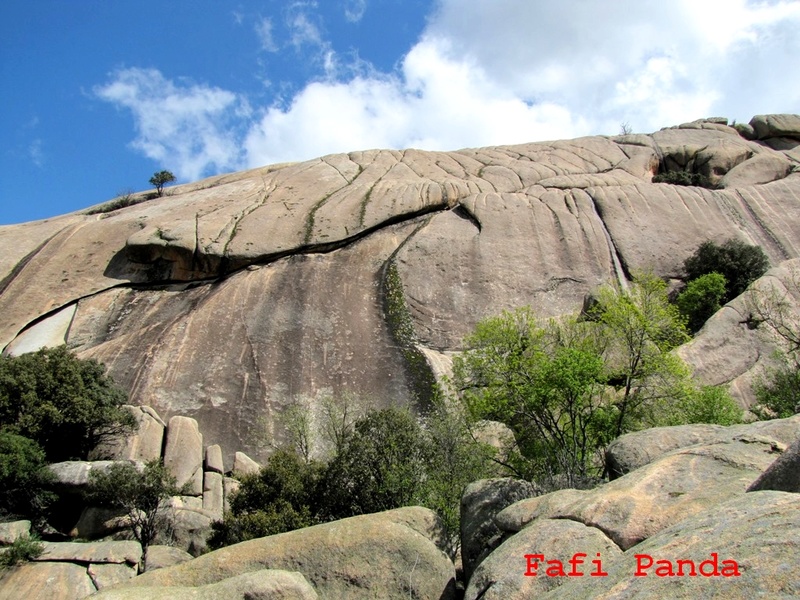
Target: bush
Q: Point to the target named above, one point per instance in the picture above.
(705, 404)
(66, 405)
(739, 263)
(160, 179)
(24, 478)
(23, 549)
(381, 466)
(283, 496)
(141, 494)
(701, 299)
(778, 393)
(683, 178)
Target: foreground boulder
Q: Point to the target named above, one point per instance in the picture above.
(394, 554)
(760, 531)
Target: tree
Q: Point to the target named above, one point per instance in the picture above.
(24, 478)
(66, 405)
(160, 179)
(701, 299)
(641, 327)
(547, 382)
(380, 467)
(739, 263)
(284, 495)
(142, 494)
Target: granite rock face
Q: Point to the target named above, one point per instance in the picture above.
(239, 295)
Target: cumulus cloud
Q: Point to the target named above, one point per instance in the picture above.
(483, 73)
(193, 127)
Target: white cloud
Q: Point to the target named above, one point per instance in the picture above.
(36, 153)
(483, 73)
(265, 36)
(189, 128)
(354, 10)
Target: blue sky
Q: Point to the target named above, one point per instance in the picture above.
(97, 95)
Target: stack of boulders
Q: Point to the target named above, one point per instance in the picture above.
(198, 470)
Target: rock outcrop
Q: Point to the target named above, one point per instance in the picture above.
(236, 296)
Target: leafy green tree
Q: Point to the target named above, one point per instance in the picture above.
(24, 478)
(739, 263)
(160, 179)
(380, 467)
(699, 404)
(778, 393)
(142, 494)
(547, 383)
(701, 299)
(284, 495)
(66, 405)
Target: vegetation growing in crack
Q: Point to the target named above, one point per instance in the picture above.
(401, 326)
(685, 178)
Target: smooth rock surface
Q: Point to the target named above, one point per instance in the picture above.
(385, 555)
(760, 531)
(265, 584)
(10, 532)
(481, 502)
(183, 453)
(46, 581)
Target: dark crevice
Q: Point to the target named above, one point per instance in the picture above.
(620, 266)
(8, 279)
(462, 211)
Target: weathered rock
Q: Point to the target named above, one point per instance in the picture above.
(385, 555)
(265, 584)
(183, 453)
(107, 575)
(129, 552)
(144, 444)
(677, 485)
(46, 581)
(768, 126)
(501, 575)
(96, 522)
(760, 531)
(213, 499)
(73, 475)
(732, 348)
(229, 486)
(190, 529)
(12, 531)
(516, 517)
(633, 450)
(783, 475)
(244, 465)
(244, 293)
(481, 502)
(159, 557)
(214, 459)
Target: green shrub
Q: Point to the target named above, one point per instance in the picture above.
(778, 393)
(24, 478)
(23, 549)
(683, 178)
(705, 404)
(701, 299)
(66, 405)
(739, 263)
(141, 494)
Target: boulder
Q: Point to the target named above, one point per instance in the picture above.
(677, 485)
(12, 531)
(244, 465)
(121, 552)
(267, 584)
(213, 460)
(760, 169)
(46, 581)
(107, 575)
(159, 557)
(481, 502)
(183, 453)
(759, 531)
(213, 499)
(516, 517)
(393, 554)
(502, 574)
(782, 475)
(97, 522)
(634, 450)
(769, 126)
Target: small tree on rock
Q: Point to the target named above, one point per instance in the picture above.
(160, 179)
